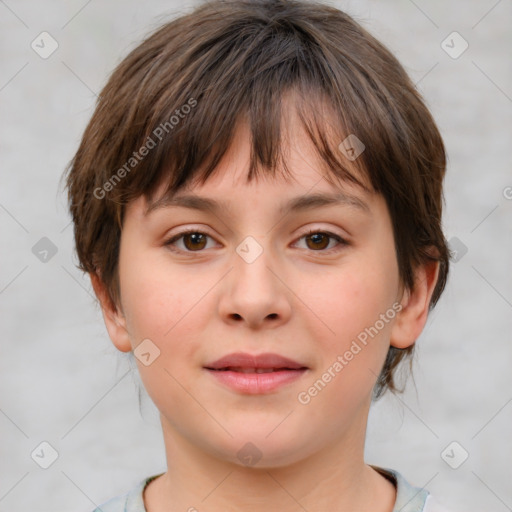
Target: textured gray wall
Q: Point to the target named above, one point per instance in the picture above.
(62, 381)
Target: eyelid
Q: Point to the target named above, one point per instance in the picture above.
(328, 231)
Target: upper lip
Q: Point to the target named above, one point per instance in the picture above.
(243, 360)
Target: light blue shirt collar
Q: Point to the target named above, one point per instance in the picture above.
(408, 498)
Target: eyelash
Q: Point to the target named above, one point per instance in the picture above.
(341, 242)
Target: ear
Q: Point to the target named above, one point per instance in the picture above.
(412, 318)
(112, 315)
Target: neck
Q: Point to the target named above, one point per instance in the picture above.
(335, 478)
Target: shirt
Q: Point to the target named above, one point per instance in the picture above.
(408, 498)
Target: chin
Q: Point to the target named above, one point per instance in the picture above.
(256, 449)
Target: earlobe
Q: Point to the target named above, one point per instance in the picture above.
(115, 321)
(413, 316)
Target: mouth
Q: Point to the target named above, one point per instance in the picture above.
(260, 363)
(258, 374)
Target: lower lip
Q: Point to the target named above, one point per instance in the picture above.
(256, 383)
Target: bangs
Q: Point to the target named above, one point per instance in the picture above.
(270, 139)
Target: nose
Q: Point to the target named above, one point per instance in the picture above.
(255, 291)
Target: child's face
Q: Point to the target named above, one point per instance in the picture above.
(306, 299)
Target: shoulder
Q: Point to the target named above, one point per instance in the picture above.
(432, 505)
(132, 501)
(117, 504)
(408, 497)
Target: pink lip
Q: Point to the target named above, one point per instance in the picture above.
(228, 370)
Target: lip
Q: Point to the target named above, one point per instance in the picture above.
(264, 361)
(238, 371)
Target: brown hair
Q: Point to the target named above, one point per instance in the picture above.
(169, 111)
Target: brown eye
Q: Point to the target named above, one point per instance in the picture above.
(194, 241)
(318, 241)
(191, 241)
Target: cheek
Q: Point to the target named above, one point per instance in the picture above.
(164, 305)
(156, 298)
(353, 316)
(345, 301)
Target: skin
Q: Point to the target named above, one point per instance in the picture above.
(301, 298)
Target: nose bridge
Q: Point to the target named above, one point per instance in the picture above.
(254, 293)
(252, 264)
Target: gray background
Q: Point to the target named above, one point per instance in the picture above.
(61, 379)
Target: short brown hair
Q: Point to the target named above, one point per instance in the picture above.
(181, 93)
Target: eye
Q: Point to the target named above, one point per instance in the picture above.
(319, 240)
(193, 240)
(196, 241)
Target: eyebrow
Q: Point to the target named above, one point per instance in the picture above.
(294, 205)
